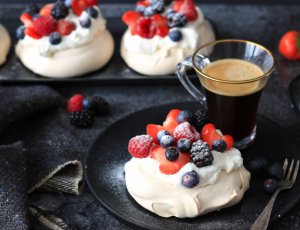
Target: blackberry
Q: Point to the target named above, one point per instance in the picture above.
(81, 119)
(200, 154)
(59, 10)
(32, 9)
(102, 106)
(200, 119)
(177, 20)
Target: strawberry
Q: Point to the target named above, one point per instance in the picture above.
(44, 25)
(161, 24)
(130, 18)
(145, 27)
(139, 146)
(171, 120)
(78, 6)
(188, 8)
(152, 131)
(46, 10)
(177, 5)
(31, 33)
(75, 103)
(209, 134)
(143, 3)
(91, 2)
(26, 19)
(185, 130)
(64, 27)
(166, 166)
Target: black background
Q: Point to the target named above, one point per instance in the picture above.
(199, 1)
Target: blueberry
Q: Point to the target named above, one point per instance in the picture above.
(170, 13)
(85, 21)
(219, 145)
(185, 115)
(270, 185)
(258, 166)
(172, 154)
(88, 104)
(184, 145)
(59, 10)
(149, 11)
(175, 35)
(161, 133)
(166, 141)
(275, 171)
(190, 179)
(20, 32)
(177, 20)
(68, 3)
(92, 12)
(55, 38)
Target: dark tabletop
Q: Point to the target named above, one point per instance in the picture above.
(264, 24)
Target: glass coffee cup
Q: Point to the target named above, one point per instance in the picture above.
(233, 74)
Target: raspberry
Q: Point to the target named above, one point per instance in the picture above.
(139, 146)
(64, 27)
(81, 119)
(185, 130)
(201, 155)
(145, 27)
(44, 25)
(75, 103)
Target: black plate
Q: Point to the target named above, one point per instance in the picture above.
(105, 175)
(115, 72)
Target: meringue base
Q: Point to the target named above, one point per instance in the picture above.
(163, 62)
(69, 63)
(5, 43)
(167, 200)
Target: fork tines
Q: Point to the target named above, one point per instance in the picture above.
(290, 173)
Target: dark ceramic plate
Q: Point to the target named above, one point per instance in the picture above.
(105, 175)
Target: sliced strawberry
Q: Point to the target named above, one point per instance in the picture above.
(64, 27)
(207, 131)
(229, 141)
(26, 19)
(152, 131)
(171, 120)
(143, 3)
(185, 130)
(46, 10)
(78, 6)
(177, 5)
(44, 25)
(162, 31)
(161, 24)
(130, 17)
(31, 33)
(188, 8)
(166, 166)
(91, 2)
(139, 146)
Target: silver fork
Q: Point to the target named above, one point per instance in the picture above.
(287, 181)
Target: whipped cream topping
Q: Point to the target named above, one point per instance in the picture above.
(78, 37)
(228, 161)
(190, 39)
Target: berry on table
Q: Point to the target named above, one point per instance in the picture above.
(200, 119)
(175, 35)
(75, 103)
(44, 25)
(101, 106)
(184, 145)
(162, 133)
(85, 21)
(139, 146)
(275, 171)
(166, 141)
(92, 12)
(185, 116)
(59, 10)
(55, 38)
(190, 179)
(219, 145)
(65, 27)
(177, 20)
(81, 119)
(88, 104)
(270, 185)
(200, 154)
(258, 166)
(20, 32)
(172, 154)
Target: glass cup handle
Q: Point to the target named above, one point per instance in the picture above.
(186, 82)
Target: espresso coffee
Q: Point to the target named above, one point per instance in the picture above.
(232, 107)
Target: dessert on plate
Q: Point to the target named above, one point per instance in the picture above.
(161, 33)
(4, 44)
(64, 39)
(177, 171)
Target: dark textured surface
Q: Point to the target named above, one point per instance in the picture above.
(112, 193)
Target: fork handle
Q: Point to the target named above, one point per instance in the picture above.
(262, 221)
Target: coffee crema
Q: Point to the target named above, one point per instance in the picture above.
(234, 70)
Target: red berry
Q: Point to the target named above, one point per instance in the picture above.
(171, 121)
(177, 5)
(44, 25)
(145, 27)
(75, 103)
(143, 3)
(161, 24)
(185, 130)
(31, 33)
(166, 166)
(130, 17)
(188, 8)
(26, 19)
(139, 146)
(46, 10)
(91, 2)
(229, 141)
(152, 131)
(64, 27)
(78, 6)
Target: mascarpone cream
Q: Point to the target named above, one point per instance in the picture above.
(4, 44)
